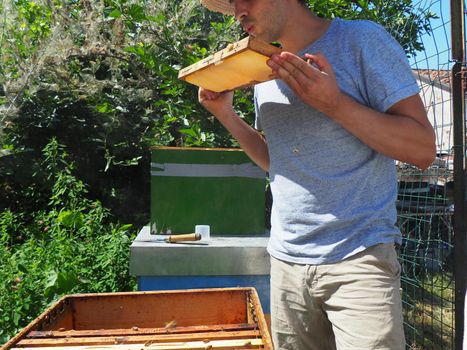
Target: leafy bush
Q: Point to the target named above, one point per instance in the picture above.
(71, 246)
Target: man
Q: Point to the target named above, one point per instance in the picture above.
(343, 107)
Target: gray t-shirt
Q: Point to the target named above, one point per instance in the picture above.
(333, 196)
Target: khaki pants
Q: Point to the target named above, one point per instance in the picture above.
(352, 304)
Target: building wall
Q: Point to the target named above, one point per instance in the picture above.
(437, 100)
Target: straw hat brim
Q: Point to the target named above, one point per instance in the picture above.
(222, 6)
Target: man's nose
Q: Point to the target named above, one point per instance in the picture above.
(240, 9)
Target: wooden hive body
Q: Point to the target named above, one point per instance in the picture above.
(225, 318)
(239, 65)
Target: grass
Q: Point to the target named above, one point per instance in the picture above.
(429, 311)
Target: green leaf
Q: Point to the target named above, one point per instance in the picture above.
(125, 227)
(51, 280)
(105, 107)
(189, 132)
(22, 268)
(16, 318)
(71, 219)
(137, 13)
(115, 14)
(60, 283)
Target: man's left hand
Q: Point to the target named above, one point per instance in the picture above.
(311, 78)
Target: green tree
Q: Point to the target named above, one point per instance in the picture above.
(402, 18)
(101, 76)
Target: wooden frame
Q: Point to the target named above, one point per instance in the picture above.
(239, 65)
(218, 318)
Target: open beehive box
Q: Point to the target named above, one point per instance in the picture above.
(239, 65)
(227, 318)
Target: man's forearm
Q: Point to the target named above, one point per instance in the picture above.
(403, 137)
(251, 141)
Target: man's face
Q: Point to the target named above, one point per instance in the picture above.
(263, 19)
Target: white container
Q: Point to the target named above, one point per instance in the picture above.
(204, 231)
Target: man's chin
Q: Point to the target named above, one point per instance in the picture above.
(260, 36)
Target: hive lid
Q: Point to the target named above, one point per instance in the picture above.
(240, 64)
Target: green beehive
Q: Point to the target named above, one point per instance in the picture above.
(222, 188)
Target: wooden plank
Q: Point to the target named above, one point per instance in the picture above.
(156, 310)
(139, 331)
(195, 345)
(239, 65)
(253, 300)
(138, 339)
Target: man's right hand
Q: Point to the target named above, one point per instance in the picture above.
(220, 104)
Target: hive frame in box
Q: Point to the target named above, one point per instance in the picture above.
(217, 318)
(239, 65)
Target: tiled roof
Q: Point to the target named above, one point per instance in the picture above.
(439, 77)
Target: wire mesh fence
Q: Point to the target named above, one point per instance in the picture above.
(425, 198)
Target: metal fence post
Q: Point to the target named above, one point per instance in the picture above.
(460, 214)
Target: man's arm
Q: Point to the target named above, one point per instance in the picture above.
(403, 132)
(251, 141)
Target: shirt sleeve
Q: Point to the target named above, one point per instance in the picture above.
(387, 76)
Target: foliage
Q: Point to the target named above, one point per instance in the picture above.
(33, 21)
(400, 17)
(101, 76)
(71, 246)
(105, 84)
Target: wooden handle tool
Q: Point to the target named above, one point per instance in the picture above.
(183, 238)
